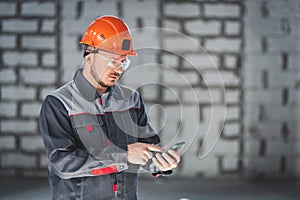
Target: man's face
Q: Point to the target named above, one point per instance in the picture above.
(106, 68)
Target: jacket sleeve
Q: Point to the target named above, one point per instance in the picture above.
(145, 131)
(67, 156)
(148, 135)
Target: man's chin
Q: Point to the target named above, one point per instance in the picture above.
(110, 84)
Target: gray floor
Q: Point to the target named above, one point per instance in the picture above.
(170, 189)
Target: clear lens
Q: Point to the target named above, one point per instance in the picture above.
(125, 64)
(115, 63)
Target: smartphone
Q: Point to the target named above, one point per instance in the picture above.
(177, 146)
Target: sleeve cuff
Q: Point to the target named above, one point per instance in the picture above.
(162, 173)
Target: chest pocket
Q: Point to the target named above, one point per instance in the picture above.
(127, 122)
(90, 132)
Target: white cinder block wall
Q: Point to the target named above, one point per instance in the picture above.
(271, 88)
(222, 75)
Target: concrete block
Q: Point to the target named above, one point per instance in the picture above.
(7, 41)
(38, 76)
(170, 60)
(32, 143)
(200, 95)
(223, 45)
(7, 76)
(69, 73)
(232, 96)
(180, 122)
(7, 8)
(19, 26)
(269, 130)
(257, 27)
(17, 93)
(211, 27)
(293, 61)
(223, 78)
(251, 113)
(15, 58)
(30, 109)
(18, 126)
(257, 166)
(171, 94)
(279, 45)
(276, 115)
(69, 10)
(7, 143)
(185, 44)
(226, 148)
(230, 164)
(105, 8)
(38, 9)
(282, 9)
(230, 61)
(212, 123)
(8, 109)
(253, 9)
(172, 24)
(70, 63)
(222, 10)
(201, 61)
(233, 113)
(193, 78)
(279, 147)
(18, 160)
(44, 91)
(139, 41)
(135, 77)
(253, 46)
(279, 79)
(261, 96)
(181, 9)
(38, 42)
(49, 60)
(232, 129)
(251, 147)
(72, 28)
(151, 10)
(150, 92)
(232, 28)
(48, 26)
(182, 79)
(193, 166)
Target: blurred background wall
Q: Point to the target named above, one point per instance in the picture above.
(222, 75)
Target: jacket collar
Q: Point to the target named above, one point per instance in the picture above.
(85, 88)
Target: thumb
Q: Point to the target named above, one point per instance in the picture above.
(152, 147)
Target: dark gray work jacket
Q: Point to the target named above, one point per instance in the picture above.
(86, 136)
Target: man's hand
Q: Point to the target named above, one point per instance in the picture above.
(140, 153)
(166, 161)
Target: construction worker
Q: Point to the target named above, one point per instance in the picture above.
(96, 131)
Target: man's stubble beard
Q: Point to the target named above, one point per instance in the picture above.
(95, 77)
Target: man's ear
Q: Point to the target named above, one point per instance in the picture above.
(89, 59)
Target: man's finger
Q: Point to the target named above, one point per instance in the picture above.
(157, 164)
(148, 154)
(152, 147)
(166, 165)
(175, 155)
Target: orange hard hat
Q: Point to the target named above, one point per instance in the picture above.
(109, 33)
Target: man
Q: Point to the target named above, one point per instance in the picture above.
(96, 132)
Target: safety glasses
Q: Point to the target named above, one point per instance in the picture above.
(113, 63)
